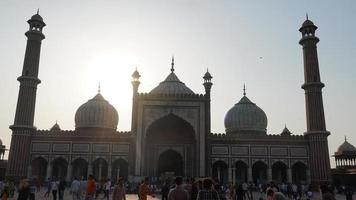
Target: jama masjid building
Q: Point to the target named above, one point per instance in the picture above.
(170, 132)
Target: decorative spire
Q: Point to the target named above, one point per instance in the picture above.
(99, 88)
(306, 15)
(172, 64)
(244, 90)
(38, 11)
(345, 139)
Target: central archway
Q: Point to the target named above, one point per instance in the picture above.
(162, 136)
(170, 162)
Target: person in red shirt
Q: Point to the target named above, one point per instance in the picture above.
(144, 190)
(90, 188)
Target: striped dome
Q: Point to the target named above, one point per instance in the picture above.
(96, 113)
(245, 117)
(171, 85)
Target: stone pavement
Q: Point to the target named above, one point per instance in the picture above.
(67, 196)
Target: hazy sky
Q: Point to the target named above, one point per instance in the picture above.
(252, 42)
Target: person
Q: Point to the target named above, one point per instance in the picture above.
(269, 194)
(54, 187)
(326, 193)
(207, 193)
(5, 193)
(32, 191)
(144, 190)
(75, 189)
(239, 191)
(348, 193)
(119, 192)
(107, 186)
(48, 188)
(24, 190)
(279, 196)
(90, 188)
(165, 191)
(178, 193)
(61, 188)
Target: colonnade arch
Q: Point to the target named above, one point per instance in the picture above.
(279, 172)
(79, 168)
(220, 171)
(120, 168)
(241, 171)
(259, 172)
(100, 169)
(59, 168)
(39, 168)
(299, 173)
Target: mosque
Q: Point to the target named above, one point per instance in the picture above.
(170, 132)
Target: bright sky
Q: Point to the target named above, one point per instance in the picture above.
(252, 42)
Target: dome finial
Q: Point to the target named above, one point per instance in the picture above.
(306, 15)
(244, 90)
(38, 11)
(345, 138)
(172, 64)
(99, 88)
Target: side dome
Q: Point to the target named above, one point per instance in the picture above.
(346, 149)
(96, 113)
(245, 117)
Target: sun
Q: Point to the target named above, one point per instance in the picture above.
(113, 72)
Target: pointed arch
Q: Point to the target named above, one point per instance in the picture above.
(220, 171)
(279, 172)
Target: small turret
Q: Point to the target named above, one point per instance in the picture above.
(207, 83)
(135, 81)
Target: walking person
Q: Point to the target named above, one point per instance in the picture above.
(24, 190)
(54, 187)
(61, 188)
(107, 186)
(178, 193)
(207, 193)
(75, 189)
(119, 192)
(90, 188)
(165, 191)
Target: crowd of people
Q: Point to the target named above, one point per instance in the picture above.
(170, 189)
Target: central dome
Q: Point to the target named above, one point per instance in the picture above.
(245, 117)
(171, 85)
(96, 113)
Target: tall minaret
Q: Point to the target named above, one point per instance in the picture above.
(22, 129)
(316, 131)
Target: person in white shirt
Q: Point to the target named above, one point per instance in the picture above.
(75, 189)
(54, 187)
(107, 187)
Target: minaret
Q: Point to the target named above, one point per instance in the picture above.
(316, 133)
(23, 127)
(135, 83)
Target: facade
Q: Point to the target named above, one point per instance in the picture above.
(170, 132)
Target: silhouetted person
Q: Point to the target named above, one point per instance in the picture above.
(207, 193)
(178, 193)
(24, 190)
(165, 191)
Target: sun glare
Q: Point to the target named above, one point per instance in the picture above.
(113, 72)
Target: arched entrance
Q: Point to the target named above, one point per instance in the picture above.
(164, 133)
(39, 168)
(170, 163)
(120, 168)
(220, 172)
(299, 173)
(80, 168)
(259, 172)
(59, 169)
(100, 169)
(279, 172)
(241, 172)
